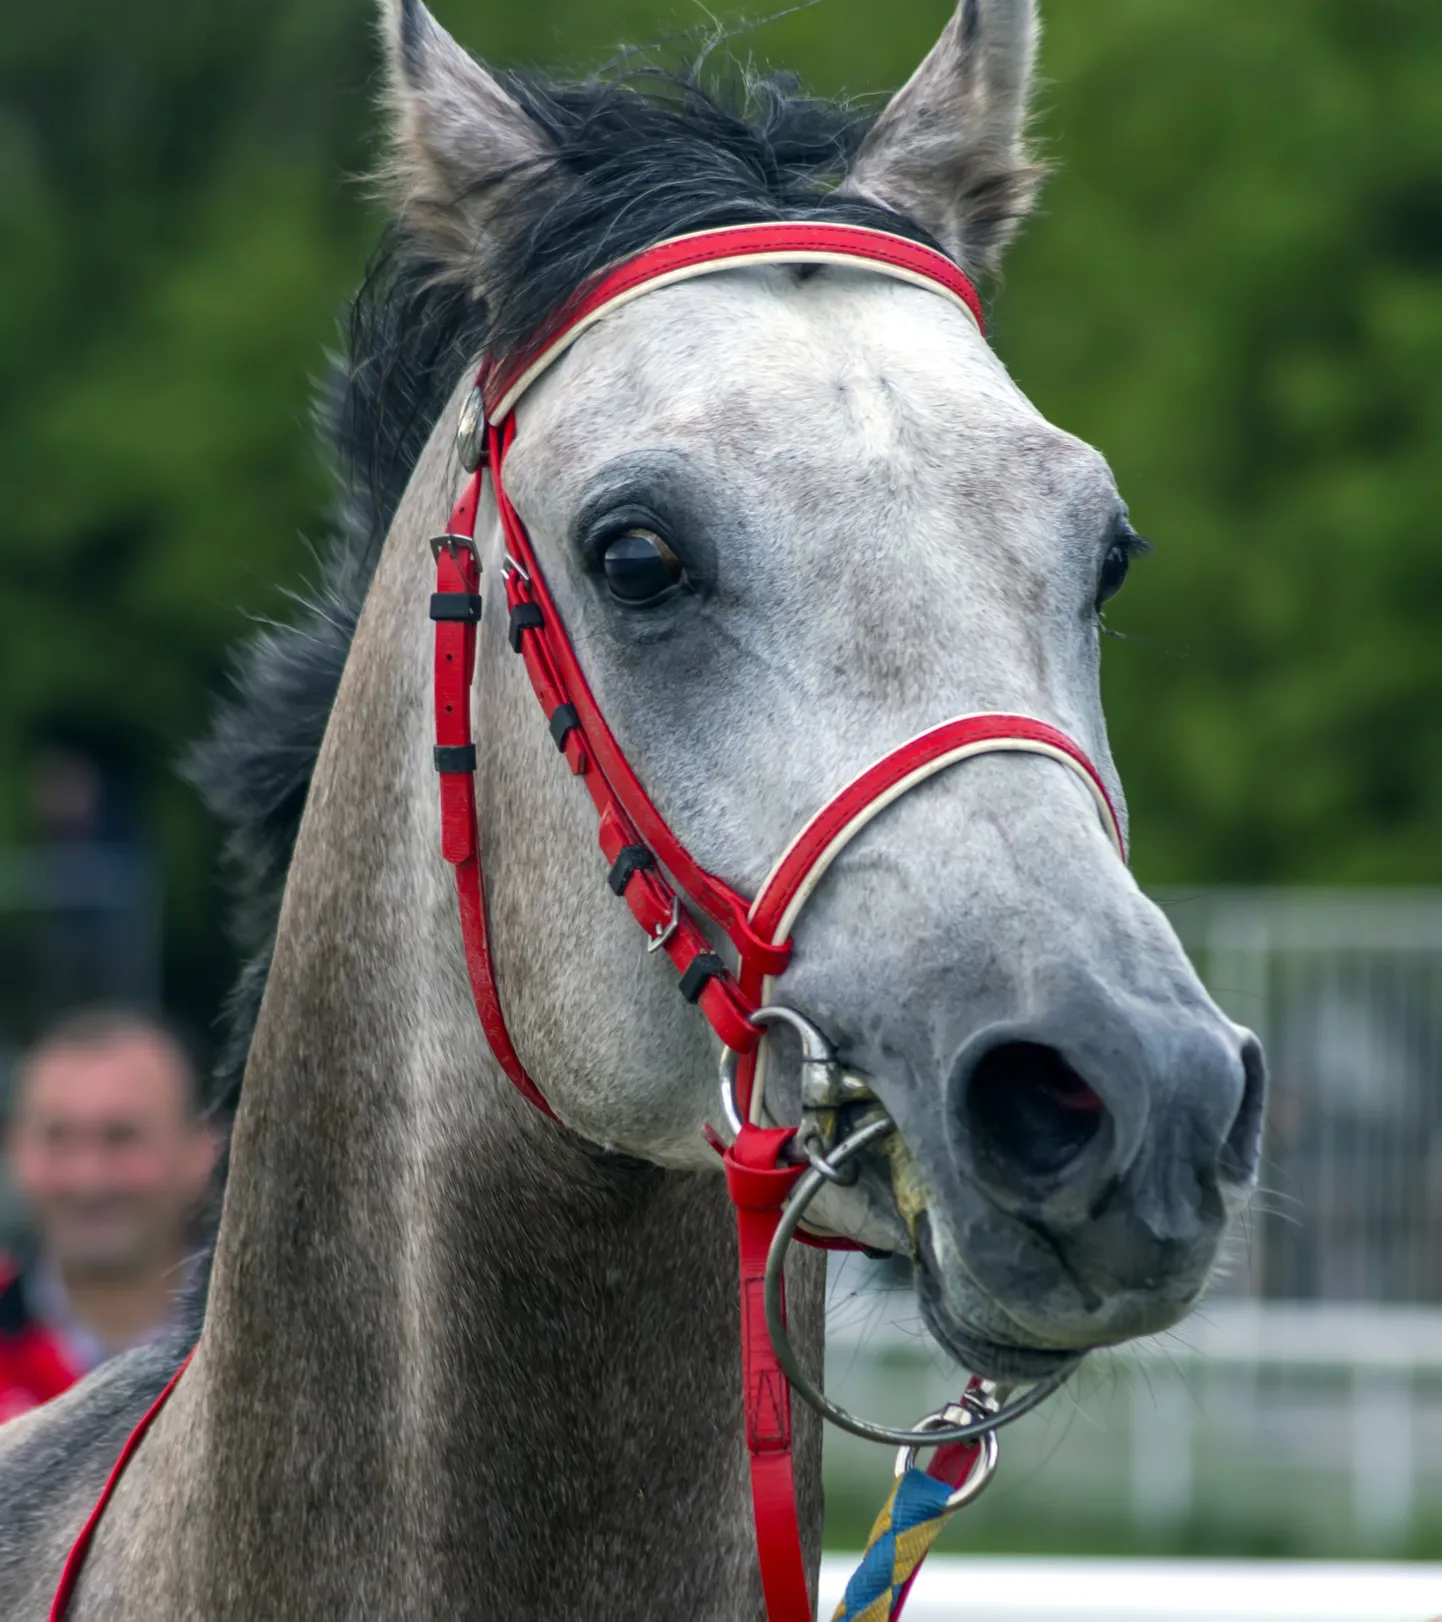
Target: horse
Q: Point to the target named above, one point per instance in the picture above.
(452, 1357)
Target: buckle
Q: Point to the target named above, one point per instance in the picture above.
(453, 544)
(665, 931)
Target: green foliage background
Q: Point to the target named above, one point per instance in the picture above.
(1232, 291)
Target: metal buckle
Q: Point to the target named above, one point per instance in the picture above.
(452, 544)
(509, 566)
(662, 935)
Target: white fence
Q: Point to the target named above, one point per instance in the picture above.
(1255, 1426)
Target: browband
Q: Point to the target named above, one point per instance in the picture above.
(705, 253)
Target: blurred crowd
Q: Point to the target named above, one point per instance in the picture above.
(110, 1155)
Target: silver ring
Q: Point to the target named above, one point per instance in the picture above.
(979, 1477)
(729, 1056)
(815, 1050)
(844, 1178)
(805, 1191)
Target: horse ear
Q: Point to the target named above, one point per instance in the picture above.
(461, 145)
(950, 151)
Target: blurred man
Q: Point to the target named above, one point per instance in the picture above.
(111, 1158)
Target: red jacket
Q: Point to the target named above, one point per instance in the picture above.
(34, 1365)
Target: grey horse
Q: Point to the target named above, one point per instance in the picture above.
(455, 1359)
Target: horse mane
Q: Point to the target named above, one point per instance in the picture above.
(649, 155)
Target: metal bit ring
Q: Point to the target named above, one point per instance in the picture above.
(806, 1190)
(825, 1084)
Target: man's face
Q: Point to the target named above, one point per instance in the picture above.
(106, 1152)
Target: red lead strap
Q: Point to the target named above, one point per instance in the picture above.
(760, 1181)
(759, 1185)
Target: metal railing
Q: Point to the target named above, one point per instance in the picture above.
(1345, 990)
(1304, 1427)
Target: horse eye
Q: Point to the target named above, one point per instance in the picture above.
(640, 567)
(1126, 545)
(1114, 571)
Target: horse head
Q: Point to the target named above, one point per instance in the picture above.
(792, 516)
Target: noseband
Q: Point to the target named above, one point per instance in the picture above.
(664, 886)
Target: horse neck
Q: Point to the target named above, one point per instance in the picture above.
(494, 1365)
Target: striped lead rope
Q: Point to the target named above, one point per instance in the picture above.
(902, 1538)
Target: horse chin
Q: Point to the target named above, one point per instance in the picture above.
(992, 1359)
(983, 1354)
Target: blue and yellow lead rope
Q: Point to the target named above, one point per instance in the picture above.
(903, 1535)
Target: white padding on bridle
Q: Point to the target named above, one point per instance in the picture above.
(708, 267)
(864, 817)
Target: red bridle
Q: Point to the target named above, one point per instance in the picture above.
(649, 866)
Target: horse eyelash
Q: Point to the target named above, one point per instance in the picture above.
(1137, 546)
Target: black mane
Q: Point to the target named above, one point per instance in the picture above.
(651, 156)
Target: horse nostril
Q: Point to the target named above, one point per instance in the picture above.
(1028, 1108)
(1243, 1146)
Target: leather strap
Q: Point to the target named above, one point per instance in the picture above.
(760, 1184)
(75, 1560)
(627, 816)
(458, 576)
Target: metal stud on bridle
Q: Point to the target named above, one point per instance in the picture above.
(471, 431)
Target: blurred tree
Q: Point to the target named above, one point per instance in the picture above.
(175, 236)
(1236, 297)
(1232, 292)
